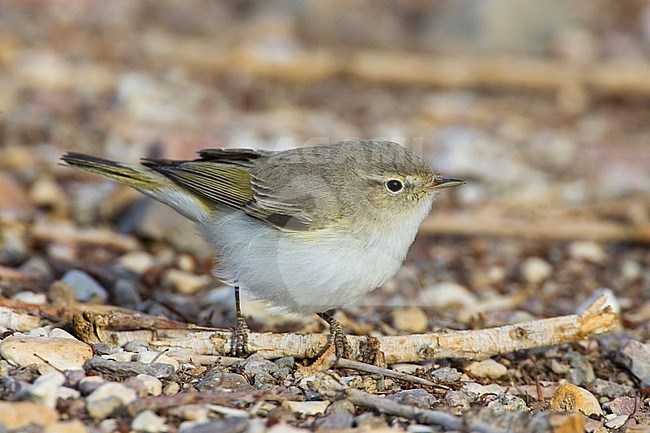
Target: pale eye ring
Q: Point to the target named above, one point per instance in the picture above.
(394, 185)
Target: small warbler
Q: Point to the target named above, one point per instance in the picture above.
(308, 229)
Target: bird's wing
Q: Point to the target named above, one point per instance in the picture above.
(223, 177)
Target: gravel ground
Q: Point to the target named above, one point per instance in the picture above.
(126, 80)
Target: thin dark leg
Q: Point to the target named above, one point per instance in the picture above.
(336, 336)
(239, 345)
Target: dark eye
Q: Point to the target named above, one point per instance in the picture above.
(394, 185)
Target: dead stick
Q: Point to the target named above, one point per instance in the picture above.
(540, 229)
(472, 344)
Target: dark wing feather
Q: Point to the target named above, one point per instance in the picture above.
(223, 177)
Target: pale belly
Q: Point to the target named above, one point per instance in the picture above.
(304, 275)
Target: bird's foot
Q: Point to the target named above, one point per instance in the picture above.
(239, 342)
(337, 337)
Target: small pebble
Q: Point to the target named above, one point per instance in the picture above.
(225, 380)
(341, 406)
(44, 390)
(171, 388)
(126, 295)
(571, 398)
(30, 298)
(86, 288)
(333, 421)
(89, 384)
(446, 375)
(456, 399)
(152, 384)
(415, 398)
(190, 412)
(617, 422)
(635, 356)
(410, 319)
(136, 346)
(446, 294)
(507, 402)
(149, 357)
(109, 398)
(306, 407)
(587, 250)
(256, 363)
(185, 282)
(263, 381)
(487, 368)
(148, 422)
(535, 270)
(137, 261)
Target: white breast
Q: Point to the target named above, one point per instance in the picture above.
(307, 274)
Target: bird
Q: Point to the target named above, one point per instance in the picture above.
(307, 230)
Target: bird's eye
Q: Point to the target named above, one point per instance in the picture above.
(394, 185)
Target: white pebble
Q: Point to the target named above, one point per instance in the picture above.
(148, 422)
(108, 398)
(587, 250)
(30, 298)
(44, 389)
(536, 270)
(150, 357)
(137, 261)
(488, 368)
(153, 384)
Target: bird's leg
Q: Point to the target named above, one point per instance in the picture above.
(239, 343)
(336, 336)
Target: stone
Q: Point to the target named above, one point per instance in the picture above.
(635, 356)
(341, 406)
(136, 346)
(184, 282)
(89, 384)
(13, 200)
(13, 249)
(571, 398)
(44, 390)
(622, 405)
(337, 420)
(126, 295)
(285, 362)
(46, 353)
(414, 397)
(61, 333)
(447, 294)
(306, 407)
(587, 250)
(263, 381)
(30, 298)
(137, 261)
(226, 425)
(45, 192)
(616, 422)
(609, 388)
(505, 402)
(456, 399)
(487, 368)
(256, 363)
(410, 319)
(535, 270)
(190, 412)
(581, 371)
(108, 399)
(171, 388)
(152, 384)
(148, 422)
(85, 287)
(475, 390)
(149, 357)
(223, 380)
(16, 415)
(446, 375)
(406, 368)
(74, 426)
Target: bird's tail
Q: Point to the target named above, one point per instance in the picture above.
(143, 179)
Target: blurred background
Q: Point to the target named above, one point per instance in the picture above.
(543, 106)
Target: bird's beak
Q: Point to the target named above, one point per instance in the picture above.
(440, 182)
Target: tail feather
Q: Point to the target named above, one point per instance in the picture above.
(136, 177)
(145, 180)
